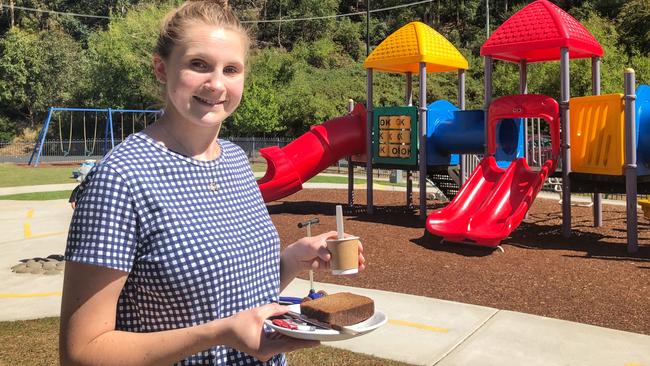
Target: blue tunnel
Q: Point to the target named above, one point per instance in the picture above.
(451, 132)
(643, 130)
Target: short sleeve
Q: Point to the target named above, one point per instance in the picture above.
(103, 230)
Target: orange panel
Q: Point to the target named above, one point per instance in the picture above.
(597, 134)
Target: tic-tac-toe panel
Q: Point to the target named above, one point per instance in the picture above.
(395, 135)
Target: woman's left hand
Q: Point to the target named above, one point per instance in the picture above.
(311, 252)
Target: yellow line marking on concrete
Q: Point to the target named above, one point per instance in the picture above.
(404, 323)
(23, 296)
(27, 230)
(633, 364)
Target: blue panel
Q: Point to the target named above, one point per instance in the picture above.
(437, 112)
(510, 141)
(451, 132)
(643, 130)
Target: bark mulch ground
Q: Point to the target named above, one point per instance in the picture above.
(588, 278)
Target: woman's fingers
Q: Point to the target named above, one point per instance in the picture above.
(320, 264)
(273, 309)
(323, 254)
(274, 343)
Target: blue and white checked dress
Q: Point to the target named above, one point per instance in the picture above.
(194, 236)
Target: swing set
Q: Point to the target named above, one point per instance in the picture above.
(75, 124)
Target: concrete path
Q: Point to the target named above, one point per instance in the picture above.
(420, 331)
(426, 331)
(40, 188)
(31, 229)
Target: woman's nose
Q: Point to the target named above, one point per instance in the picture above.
(216, 82)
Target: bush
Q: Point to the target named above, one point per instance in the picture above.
(7, 129)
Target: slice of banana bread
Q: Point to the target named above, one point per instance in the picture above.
(342, 308)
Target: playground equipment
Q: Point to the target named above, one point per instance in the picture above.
(645, 205)
(60, 117)
(497, 195)
(303, 158)
(603, 136)
(409, 138)
(494, 201)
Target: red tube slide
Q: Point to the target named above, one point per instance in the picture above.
(288, 168)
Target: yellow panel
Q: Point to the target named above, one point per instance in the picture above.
(415, 42)
(400, 122)
(405, 151)
(384, 150)
(597, 134)
(384, 136)
(645, 205)
(394, 150)
(399, 136)
(384, 122)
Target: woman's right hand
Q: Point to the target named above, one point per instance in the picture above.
(246, 333)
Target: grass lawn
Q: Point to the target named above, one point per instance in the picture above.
(35, 342)
(12, 175)
(38, 196)
(343, 179)
(334, 179)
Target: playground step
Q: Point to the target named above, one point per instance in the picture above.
(445, 184)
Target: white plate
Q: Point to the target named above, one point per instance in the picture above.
(375, 321)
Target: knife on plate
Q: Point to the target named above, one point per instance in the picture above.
(323, 325)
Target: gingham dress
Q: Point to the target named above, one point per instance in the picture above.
(194, 236)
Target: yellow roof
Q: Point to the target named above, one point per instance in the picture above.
(415, 42)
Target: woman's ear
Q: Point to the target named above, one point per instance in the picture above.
(159, 69)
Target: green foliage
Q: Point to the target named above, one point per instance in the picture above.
(286, 34)
(300, 73)
(316, 95)
(347, 35)
(38, 70)
(641, 65)
(120, 58)
(7, 129)
(18, 62)
(323, 53)
(259, 111)
(634, 24)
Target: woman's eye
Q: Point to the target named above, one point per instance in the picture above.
(198, 65)
(231, 70)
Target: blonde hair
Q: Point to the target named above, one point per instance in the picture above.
(214, 12)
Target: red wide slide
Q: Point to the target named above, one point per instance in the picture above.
(493, 202)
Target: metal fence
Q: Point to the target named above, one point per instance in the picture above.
(76, 151)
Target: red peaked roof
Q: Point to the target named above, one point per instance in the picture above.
(537, 32)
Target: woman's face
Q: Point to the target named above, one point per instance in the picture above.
(204, 75)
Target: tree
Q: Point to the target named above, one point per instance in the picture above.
(38, 71)
(259, 111)
(120, 59)
(286, 34)
(634, 24)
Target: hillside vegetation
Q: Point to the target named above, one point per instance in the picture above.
(301, 73)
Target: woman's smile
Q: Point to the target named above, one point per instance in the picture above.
(208, 102)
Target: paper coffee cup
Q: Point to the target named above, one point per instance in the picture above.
(345, 255)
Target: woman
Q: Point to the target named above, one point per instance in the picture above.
(172, 256)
